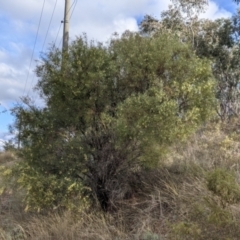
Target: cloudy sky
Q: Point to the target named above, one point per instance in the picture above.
(21, 30)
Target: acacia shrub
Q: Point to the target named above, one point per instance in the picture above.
(110, 112)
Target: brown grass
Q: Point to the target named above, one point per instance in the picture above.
(7, 158)
(174, 202)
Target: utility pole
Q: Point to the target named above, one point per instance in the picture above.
(66, 25)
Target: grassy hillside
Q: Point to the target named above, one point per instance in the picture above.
(194, 194)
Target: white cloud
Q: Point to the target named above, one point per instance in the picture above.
(214, 11)
(122, 24)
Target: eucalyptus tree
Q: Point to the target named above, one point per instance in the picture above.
(216, 40)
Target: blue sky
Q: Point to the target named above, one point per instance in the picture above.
(99, 19)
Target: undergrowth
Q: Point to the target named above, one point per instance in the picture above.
(193, 194)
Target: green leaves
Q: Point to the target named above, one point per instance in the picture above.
(223, 183)
(109, 109)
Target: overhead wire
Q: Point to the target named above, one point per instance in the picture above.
(57, 34)
(75, 1)
(50, 22)
(73, 6)
(39, 23)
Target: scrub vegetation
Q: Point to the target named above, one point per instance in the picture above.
(138, 138)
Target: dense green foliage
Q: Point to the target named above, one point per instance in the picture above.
(216, 40)
(110, 111)
(223, 183)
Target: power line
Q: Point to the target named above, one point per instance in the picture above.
(60, 42)
(49, 24)
(34, 46)
(45, 38)
(75, 2)
(72, 7)
(57, 33)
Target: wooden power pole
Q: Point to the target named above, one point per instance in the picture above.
(66, 25)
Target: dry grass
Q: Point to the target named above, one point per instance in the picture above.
(7, 158)
(68, 226)
(175, 202)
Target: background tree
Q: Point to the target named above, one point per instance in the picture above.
(216, 40)
(220, 43)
